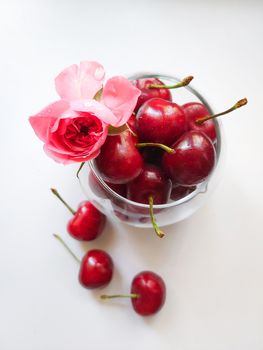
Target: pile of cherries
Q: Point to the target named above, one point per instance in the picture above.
(165, 151)
(162, 154)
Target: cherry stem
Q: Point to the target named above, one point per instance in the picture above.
(157, 229)
(79, 169)
(132, 296)
(55, 192)
(67, 247)
(153, 144)
(239, 104)
(130, 130)
(182, 83)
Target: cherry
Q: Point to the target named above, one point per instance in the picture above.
(148, 293)
(96, 267)
(179, 192)
(87, 222)
(192, 161)
(119, 160)
(151, 182)
(160, 121)
(151, 187)
(147, 93)
(199, 118)
(195, 110)
(155, 88)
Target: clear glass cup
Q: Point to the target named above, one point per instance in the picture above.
(136, 214)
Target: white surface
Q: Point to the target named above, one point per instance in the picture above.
(212, 263)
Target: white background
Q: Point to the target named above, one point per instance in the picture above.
(212, 263)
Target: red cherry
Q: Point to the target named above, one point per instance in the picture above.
(148, 293)
(155, 88)
(151, 182)
(151, 187)
(192, 161)
(87, 222)
(194, 111)
(151, 291)
(119, 160)
(199, 118)
(160, 121)
(147, 94)
(179, 192)
(96, 269)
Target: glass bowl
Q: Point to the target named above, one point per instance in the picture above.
(136, 214)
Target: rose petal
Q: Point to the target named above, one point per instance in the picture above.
(120, 95)
(80, 82)
(45, 119)
(69, 159)
(96, 108)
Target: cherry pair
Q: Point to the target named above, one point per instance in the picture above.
(96, 269)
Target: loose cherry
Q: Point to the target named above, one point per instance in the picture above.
(160, 121)
(87, 222)
(148, 293)
(119, 160)
(151, 187)
(192, 161)
(96, 267)
(199, 118)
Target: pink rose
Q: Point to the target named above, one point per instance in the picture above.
(74, 128)
(69, 136)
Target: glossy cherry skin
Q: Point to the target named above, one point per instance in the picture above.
(194, 111)
(151, 290)
(160, 121)
(119, 160)
(96, 269)
(147, 94)
(193, 159)
(151, 182)
(179, 192)
(87, 223)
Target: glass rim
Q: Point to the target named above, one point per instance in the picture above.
(200, 188)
